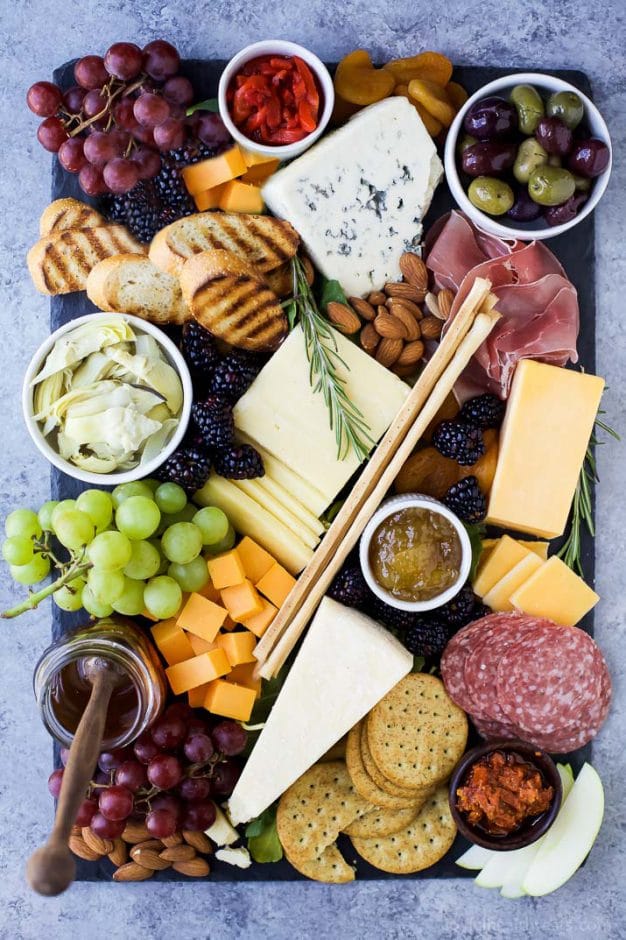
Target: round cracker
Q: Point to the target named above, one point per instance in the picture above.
(329, 867)
(407, 793)
(316, 808)
(363, 783)
(383, 822)
(416, 734)
(421, 844)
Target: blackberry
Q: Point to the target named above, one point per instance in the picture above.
(192, 152)
(350, 587)
(481, 610)
(187, 466)
(234, 375)
(240, 462)
(390, 616)
(426, 638)
(214, 419)
(459, 441)
(170, 187)
(485, 411)
(460, 610)
(466, 500)
(199, 350)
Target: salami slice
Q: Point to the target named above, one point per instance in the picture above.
(491, 730)
(453, 662)
(481, 665)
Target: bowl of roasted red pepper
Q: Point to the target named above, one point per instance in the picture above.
(276, 97)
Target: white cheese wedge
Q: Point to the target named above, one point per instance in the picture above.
(240, 857)
(358, 196)
(281, 412)
(221, 832)
(346, 664)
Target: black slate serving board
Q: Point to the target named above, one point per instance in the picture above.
(575, 250)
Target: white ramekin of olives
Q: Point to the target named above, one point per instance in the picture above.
(528, 156)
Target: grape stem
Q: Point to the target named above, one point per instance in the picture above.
(74, 570)
(110, 96)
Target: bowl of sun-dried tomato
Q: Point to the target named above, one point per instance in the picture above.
(505, 794)
(276, 97)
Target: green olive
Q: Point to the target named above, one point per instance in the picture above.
(551, 185)
(466, 141)
(582, 183)
(567, 106)
(529, 104)
(554, 160)
(530, 155)
(491, 195)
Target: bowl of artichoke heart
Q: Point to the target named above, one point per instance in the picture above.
(107, 398)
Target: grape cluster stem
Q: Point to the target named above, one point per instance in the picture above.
(77, 567)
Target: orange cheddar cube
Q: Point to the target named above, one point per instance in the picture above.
(276, 584)
(196, 696)
(229, 700)
(201, 617)
(253, 158)
(242, 600)
(197, 671)
(261, 172)
(210, 592)
(244, 675)
(199, 177)
(256, 561)
(238, 647)
(241, 197)
(226, 570)
(199, 645)
(172, 642)
(209, 199)
(229, 624)
(259, 623)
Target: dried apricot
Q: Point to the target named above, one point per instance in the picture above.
(431, 66)
(456, 95)
(485, 467)
(358, 82)
(431, 124)
(433, 98)
(427, 472)
(448, 410)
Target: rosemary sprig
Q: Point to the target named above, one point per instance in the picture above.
(582, 513)
(346, 420)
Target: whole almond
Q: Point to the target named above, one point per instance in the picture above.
(387, 325)
(119, 853)
(405, 291)
(432, 305)
(363, 307)
(79, 847)
(445, 299)
(408, 305)
(96, 842)
(178, 853)
(414, 270)
(155, 844)
(131, 871)
(369, 338)
(309, 270)
(149, 858)
(135, 832)
(431, 327)
(169, 841)
(403, 372)
(343, 317)
(376, 297)
(411, 326)
(388, 351)
(194, 868)
(198, 840)
(411, 353)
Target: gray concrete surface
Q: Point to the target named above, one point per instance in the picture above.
(36, 35)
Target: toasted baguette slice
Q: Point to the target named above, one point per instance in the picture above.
(68, 213)
(280, 280)
(60, 264)
(131, 284)
(231, 299)
(258, 239)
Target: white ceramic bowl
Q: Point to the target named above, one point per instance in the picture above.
(173, 356)
(418, 501)
(501, 225)
(277, 47)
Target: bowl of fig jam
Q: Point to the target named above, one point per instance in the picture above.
(415, 553)
(505, 794)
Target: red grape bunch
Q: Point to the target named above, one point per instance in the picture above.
(166, 778)
(124, 109)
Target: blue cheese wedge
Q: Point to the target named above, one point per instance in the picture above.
(346, 664)
(358, 197)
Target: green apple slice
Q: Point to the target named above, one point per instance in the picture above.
(475, 858)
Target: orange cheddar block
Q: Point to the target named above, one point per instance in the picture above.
(229, 700)
(256, 561)
(259, 623)
(172, 642)
(199, 177)
(253, 158)
(199, 645)
(210, 592)
(242, 600)
(241, 197)
(209, 199)
(226, 570)
(229, 624)
(276, 584)
(239, 647)
(201, 617)
(244, 675)
(261, 172)
(196, 696)
(197, 671)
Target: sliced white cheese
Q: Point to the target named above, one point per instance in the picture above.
(281, 412)
(221, 832)
(240, 858)
(358, 196)
(346, 664)
(284, 476)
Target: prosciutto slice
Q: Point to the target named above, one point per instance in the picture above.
(537, 302)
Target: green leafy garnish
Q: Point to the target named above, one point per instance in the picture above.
(331, 291)
(476, 535)
(418, 663)
(263, 842)
(210, 104)
(346, 420)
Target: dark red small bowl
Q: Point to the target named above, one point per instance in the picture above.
(532, 828)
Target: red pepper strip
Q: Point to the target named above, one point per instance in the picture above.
(273, 113)
(307, 120)
(309, 81)
(277, 62)
(288, 136)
